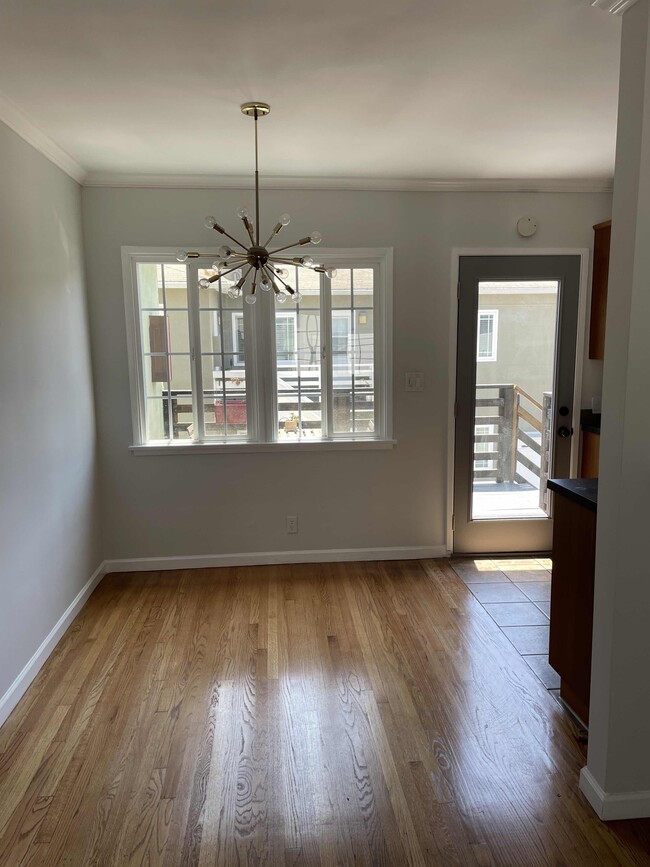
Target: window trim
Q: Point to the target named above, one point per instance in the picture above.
(259, 350)
(495, 335)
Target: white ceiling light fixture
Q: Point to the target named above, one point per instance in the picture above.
(268, 269)
(616, 7)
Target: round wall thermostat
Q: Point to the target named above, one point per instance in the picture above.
(526, 227)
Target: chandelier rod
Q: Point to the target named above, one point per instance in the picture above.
(257, 187)
(300, 243)
(220, 229)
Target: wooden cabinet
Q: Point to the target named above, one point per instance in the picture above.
(590, 455)
(572, 597)
(602, 240)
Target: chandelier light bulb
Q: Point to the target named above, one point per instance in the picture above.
(307, 261)
(181, 255)
(224, 252)
(265, 284)
(210, 222)
(204, 283)
(315, 237)
(331, 273)
(281, 298)
(285, 219)
(242, 212)
(282, 272)
(216, 265)
(236, 276)
(233, 292)
(250, 298)
(296, 297)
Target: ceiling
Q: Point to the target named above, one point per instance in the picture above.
(359, 88)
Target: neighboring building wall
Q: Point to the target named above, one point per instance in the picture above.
(50, 541)
(526, 326)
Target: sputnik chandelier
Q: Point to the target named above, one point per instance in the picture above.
(268, 269)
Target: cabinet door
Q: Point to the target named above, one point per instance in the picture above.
(572, 601)
(602, 240)
(590, 455)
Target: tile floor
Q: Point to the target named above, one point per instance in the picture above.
(516, 593)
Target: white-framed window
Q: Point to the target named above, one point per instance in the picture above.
(206, 369)
(487, 335)
(237, 330)
(286, 335)
(485, 440)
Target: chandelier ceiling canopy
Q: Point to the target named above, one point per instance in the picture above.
(266, 268)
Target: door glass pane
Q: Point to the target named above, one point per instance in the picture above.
(515, 370)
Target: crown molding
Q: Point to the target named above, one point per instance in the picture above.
(415, 185)
(616, 7)
(18, 121)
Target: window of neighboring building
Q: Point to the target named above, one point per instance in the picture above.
(200, 359)
(237, 326)
(286, 328)
(485, 440)
(487, 335)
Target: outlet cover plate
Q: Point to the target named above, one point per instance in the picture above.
(414, 381)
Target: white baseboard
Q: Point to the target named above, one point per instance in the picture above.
(609, 806)
(18, 688)
(265, 558)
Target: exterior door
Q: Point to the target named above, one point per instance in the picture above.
(517, 326)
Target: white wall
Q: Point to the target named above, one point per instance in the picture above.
(49, 529)
(617, 780)
(211, 504)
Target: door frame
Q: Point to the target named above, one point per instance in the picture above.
(585, 271)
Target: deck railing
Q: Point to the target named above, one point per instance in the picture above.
(512, 436)
(299, 401)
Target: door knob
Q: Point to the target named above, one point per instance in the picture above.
(564, 432)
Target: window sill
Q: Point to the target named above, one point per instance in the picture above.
(278, 448)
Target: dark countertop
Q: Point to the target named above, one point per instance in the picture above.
(581, 491)
(590, 421)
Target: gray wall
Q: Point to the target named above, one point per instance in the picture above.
(49, 529)
(211, 504)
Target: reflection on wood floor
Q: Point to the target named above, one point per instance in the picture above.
(349, 713)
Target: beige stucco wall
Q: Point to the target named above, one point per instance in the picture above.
(525, 342)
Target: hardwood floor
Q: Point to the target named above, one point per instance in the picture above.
(352, 713)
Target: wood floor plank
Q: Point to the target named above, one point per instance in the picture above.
(329, 714)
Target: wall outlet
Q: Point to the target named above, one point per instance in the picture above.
(292, 523)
